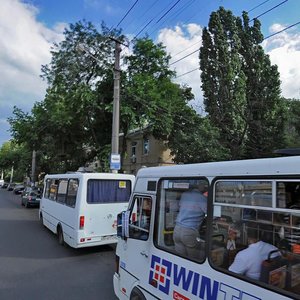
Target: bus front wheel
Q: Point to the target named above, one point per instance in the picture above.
(136, 294)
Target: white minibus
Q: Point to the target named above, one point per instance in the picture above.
(221, 230)
(82, 208)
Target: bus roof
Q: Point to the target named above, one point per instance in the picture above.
(92, 175)
(262, 166)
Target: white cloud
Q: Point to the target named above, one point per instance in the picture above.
(181, 41)
(283, 49)
(24, 46)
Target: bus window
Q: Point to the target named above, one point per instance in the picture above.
(257, 243)
(53, 189)
(62, 190)
(108, 191)
(139, 224)
(257, 193)
(181, 216)
(47, 189)
(288, 194)
(72, 192)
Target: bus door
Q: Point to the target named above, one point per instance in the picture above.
(138, 244)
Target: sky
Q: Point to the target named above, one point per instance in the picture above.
(28, 29)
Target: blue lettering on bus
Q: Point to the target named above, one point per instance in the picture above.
(165, 274)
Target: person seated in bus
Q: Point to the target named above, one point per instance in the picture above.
(192, 210)
(248, 261)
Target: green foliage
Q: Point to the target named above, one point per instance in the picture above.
(16, 156)
(196, 140)
(293, 124)
(241, 88)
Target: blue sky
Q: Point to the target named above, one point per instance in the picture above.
(28, 28)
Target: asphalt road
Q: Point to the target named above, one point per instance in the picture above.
(34, 266)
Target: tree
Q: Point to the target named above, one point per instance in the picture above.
(241, 88)
(151, 98)
(266, 111)
(16, 156)
(223, 80)
(76, 109)
(292, 131)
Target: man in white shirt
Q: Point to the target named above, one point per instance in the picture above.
(248, 262)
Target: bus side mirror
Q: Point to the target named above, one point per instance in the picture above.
(123, 224)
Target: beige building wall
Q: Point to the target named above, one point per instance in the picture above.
(156, 154)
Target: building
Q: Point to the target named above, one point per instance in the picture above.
(143, 150)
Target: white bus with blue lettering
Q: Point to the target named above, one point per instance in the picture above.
(245, 244)
(82, 208)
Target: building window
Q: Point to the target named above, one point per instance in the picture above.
(133, 151)
(146, 146)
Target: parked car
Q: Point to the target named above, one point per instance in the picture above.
(18, 189)
(31, 198)
(11, 186)
(29, 189)
(4, 185)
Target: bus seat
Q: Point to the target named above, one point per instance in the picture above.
(274, 270)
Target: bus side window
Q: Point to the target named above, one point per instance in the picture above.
(139, 224)
(72, 192)
(181, 217)
(288, 194)
(62, 191)
(53, 189)
(262, 242)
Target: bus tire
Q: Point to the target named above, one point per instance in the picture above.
(60, 235)
(136, 294)
(41, 219)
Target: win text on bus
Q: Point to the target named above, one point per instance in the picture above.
(163, 273)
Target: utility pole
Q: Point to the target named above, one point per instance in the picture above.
(12, 173)
(116, 109)
(33, 164)
(115, 160)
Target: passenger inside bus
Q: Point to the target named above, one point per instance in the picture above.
(249, 261)
(192, 211)
(146, 214)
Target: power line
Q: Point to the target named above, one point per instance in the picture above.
(155, 17)
(187, 73)
(250, 21)
(126, 14)
(168, 11)
(265, 12)
(281, 30)
(177, 13)
(180, 10)
(295, 24)
(176, 61)
(185, 49)
(142, 29)
(257, 6)
(143, 14)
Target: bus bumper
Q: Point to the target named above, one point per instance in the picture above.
(117, 289)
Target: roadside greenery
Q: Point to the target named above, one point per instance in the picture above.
(241, 88)
(246, 117)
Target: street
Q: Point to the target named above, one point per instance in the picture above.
(34, 266)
